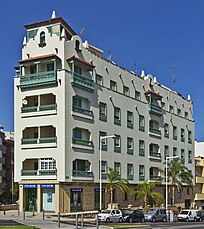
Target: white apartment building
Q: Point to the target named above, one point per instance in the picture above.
(67, 96)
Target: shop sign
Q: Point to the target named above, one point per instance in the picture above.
(30, 186)
(98, 189)
(76, 189)
(47, 186)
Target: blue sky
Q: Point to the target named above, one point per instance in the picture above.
(154, 34)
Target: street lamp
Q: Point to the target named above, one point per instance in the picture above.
(100, 165)
(167, 158)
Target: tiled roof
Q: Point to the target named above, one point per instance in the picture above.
(38, 58)
(81, 60)
(149, 91)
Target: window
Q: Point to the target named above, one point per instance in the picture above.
(113, 85)
(187, 190)
(99, 80)
(189, 156)
(137, 95)
(77, 133)
(33, 69)
(166, 130)
(77, 45)
(117, 144)
(126, 91)
(175, 153)
(50, 67)
(189, 137)
(186, 115)
(179, 112)
(163, 105)
(182, 156)
(117, 116)
(102, 112)
(103, 142)
(47, 164)
(103, 169)
(166, 151)
(130, 146)
(141, 173)
(130, 119)
(141, 148)
(117, 167)
(182, 135)
(141, 123)
(77, 70)
(130, 172)
(179, 194)
(171, 109)
(154, 127)
(174, 132)
(42, 39)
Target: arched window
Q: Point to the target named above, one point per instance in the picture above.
(42, 39)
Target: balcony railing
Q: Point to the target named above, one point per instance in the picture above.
(103, 176)
(141, 152)
(82, 110)
(117, 149)
(141, 177)
(129, 177)
(38, 140)
(77, 173)
(117, 121)
(130, 125)
(154, 154)
(38, 172)
(38, 79)
(155, 131)
(84, 142)
(130, 151)
(175, 137)
(39, 108)
(142, 128)
(155, 109)
(103, 117)
(104, 147)
(82, 82)
(154, 177)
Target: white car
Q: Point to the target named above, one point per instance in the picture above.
(188, 215)
(111, 215)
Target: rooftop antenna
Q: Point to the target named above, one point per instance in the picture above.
(82, 31)
(173, 73)
(109, 55)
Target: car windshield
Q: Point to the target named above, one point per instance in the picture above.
(106, 211)
(128, 212)
(151, 211)
(184, 212)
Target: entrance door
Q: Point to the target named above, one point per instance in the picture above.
(97, 199)
(30, 199)
(48, 199)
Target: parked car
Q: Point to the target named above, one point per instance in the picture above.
(110, 215)
(133, 216)
(200, 215)
(156, 214)
(188, 215)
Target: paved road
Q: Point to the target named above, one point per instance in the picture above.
(8, 223)
(177, 225)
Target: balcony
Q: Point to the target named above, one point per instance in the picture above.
(199, 196)
(82, 144)
(199, 180)
(155, 155)
(155, 109)
(78, 175)
(154, 178)
(38, 174)
(38, 79)
(39, 142)
(82, 82)
(82, 110)
(39, 110)
(155, 132)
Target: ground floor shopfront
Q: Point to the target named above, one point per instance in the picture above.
(70, 197)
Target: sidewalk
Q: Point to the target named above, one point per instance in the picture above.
(49, 222)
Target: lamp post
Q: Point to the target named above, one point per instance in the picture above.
(100, 165)
(167, 158)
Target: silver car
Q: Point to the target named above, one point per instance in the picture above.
(156, 214)
(110, 215)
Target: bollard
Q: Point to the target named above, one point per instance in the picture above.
(4, 212)
(97, 223)
(43, 212)
(58, 219)
(76, 221)
(82, 220)
(24, 214)
(18, 211)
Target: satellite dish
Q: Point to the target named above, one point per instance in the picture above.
(25, 102)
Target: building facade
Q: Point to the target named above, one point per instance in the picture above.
(66, 97)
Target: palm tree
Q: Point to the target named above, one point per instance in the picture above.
(145, 191)
(115, 181)
(178, 174)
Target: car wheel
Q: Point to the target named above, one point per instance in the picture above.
(142, 220)
(187, 219)
(120, 220)
(130, 220)
(195, 219)
(108, 220)
(153, 220)
(164, 220)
